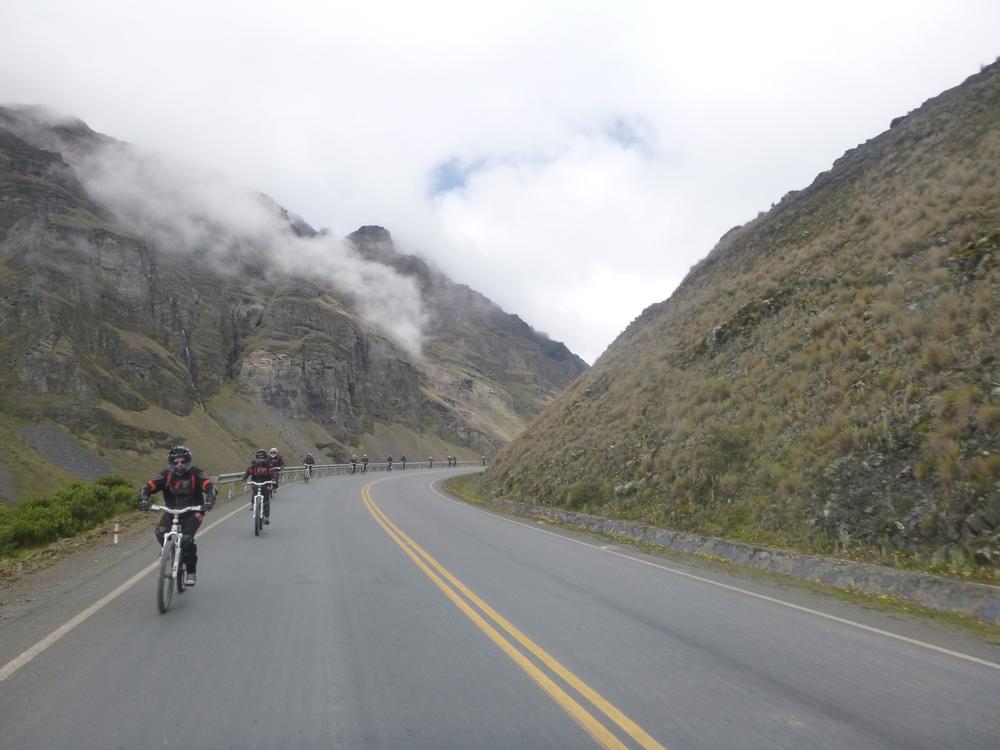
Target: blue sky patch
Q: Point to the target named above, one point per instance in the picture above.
(451, 175)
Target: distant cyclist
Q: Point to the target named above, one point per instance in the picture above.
(277, 463)
(364, 464)
(388, 463)
(430, 462)
(308, 462)
(183, 485)
(402, 463)
(354, 463)
(261, 470)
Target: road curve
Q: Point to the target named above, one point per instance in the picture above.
(376, 613)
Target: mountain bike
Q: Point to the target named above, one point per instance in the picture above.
(171, 568)
(306, 473)
(258, 505)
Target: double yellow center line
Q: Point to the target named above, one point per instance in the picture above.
(481, 614)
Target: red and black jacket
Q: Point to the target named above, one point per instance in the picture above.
(180, 492)
(259, 472)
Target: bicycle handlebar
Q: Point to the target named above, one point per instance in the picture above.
(260, 484)
(175, 511)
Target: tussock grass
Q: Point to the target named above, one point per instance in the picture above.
(825, 379)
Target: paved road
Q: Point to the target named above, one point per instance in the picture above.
(392, 617)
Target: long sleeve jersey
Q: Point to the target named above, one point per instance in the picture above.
(180, 492)
(259, 473)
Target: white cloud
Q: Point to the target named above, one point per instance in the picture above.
(343, 112)
(189, 210)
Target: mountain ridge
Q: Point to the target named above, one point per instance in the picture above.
(129, 331)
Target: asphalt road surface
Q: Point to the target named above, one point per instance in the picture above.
(376, 613)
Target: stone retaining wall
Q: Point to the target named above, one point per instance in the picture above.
(976, 600)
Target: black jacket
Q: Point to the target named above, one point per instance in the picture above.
(180, 492)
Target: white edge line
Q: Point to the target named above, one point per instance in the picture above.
(30, 653)
(764, 597)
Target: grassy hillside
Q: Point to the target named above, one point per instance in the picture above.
(827, 378)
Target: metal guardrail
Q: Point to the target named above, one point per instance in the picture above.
(290, 474)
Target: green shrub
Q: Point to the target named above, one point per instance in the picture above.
(587, 493)
(75, 508)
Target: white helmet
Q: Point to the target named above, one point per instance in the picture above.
(273, 453)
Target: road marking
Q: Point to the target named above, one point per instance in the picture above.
(592, 726)
(701, 579)
(30, 653)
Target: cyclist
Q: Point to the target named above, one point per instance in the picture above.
(308, 462)
(364, 464)
(182, 485)
(354, 463)
(430, 462)
(262, 471)
(388, 463)
(402, 461)
(277, 463)
(483, 459)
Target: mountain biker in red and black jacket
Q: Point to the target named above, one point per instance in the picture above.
(182, 485)
(262, 471)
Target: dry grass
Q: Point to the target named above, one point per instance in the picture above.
(870, 386)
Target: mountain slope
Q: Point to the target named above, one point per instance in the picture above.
(826, 377)
(123, 331)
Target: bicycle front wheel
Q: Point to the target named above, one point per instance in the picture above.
(257, 521)
(164, 583)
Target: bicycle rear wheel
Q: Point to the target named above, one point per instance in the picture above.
(164, 584)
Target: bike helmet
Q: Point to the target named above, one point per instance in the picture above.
(273, 453)
(179, 460)
(260, 454)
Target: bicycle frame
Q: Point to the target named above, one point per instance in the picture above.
(258, 504)
(173, 537)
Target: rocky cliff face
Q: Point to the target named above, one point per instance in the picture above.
(826, 378)
(131, 343)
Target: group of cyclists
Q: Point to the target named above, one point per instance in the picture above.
(266, 467)
(184, 485)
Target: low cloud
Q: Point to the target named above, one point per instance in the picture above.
(475, 133)
(183, 208)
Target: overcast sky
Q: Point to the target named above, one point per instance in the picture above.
(570, 160)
